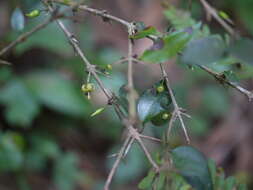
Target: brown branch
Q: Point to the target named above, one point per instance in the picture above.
(211, 11)
(4, 62)
(91, 68)
(101, 13)
(116, 163)
(223, 79)
(177, 109)
(150, 138)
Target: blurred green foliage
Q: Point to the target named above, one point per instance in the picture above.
(42, 102)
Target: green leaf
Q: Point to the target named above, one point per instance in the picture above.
(192, 165)
(21, 106)
(230, 76)
(17, 20)
(178, 18)
(161, 181)
(123, 97)
(212, 169)
(223, 15)
(166, 48)
(242, 187)
(66, 172)
(230, 183)
(98, 111)
(203, 51)
(144, 33)
(147, 181)
(11, 157)
(55, 91)
(152, 104)
(242, 50)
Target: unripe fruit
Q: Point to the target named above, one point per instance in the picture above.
(165, 116)
(109, 66)
(89, 87)
(160, 88)
(33, 14)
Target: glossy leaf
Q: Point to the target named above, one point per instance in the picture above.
(203, 51)
(166, 48)
(152, 104)
(145, 32)
(192, 165)
(17, 20)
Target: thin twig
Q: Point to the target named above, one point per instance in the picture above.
(101, 13)
(177, 109)
(135, 134)
(116, 163)
(150, 138)
(24, 36)
(4, 62)
(172, 120)
(223, 79)
(74, 42)
(211, 11)
(130, 85)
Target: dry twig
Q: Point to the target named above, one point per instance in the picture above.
(222, 79)
(177, 113)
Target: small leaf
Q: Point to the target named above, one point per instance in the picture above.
(144, 33)
(161, 181)
(223, 15)
(152, 105)
(17, 20)
(230, 183)
(192, 165)
(33, 13)
(203, 51)
(147, 181)
(123, 97)
(212, 169)
(166, 48)
(98, 111)
(230, 76)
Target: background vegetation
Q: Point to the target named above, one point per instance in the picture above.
(48, 139)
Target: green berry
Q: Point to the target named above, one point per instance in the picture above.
(165, 116)
(89, 87)
(109, 66)
(160, 88)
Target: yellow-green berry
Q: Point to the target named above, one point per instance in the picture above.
(165, 116)
(33, 13)
(160, 88)
(109, 66)
(89, 87)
